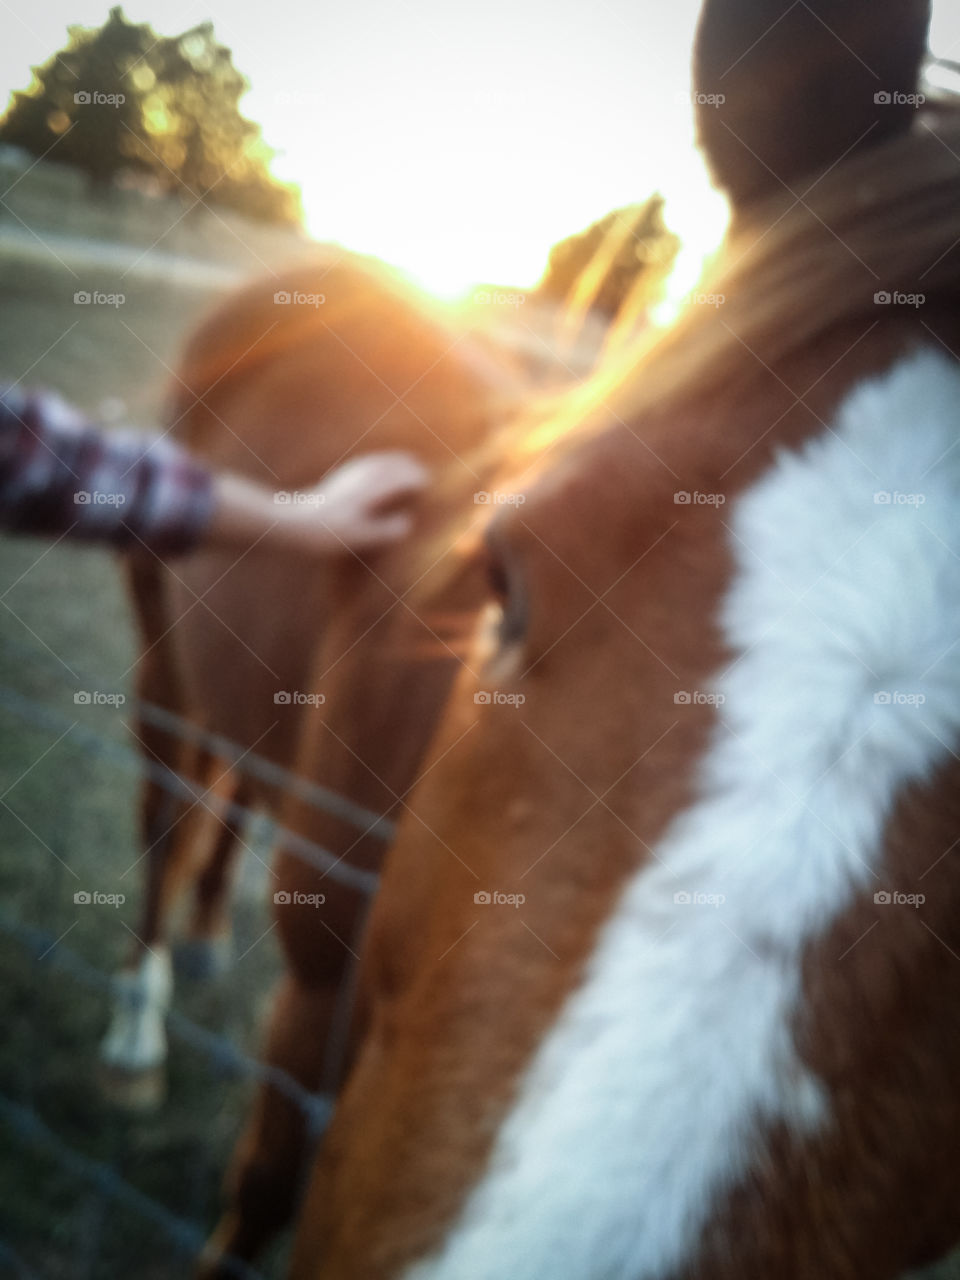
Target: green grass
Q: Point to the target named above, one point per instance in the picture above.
(68, 821)
(68, 811)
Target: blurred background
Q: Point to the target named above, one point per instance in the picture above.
(505, 158)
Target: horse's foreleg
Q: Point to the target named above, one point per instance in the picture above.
(204, 950)
(270, 1161)
(134, 1049)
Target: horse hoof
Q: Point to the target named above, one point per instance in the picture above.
(133, 1090)
(202, 959)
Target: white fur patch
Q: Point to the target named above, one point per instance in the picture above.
(650, 1096)
(136, 1039)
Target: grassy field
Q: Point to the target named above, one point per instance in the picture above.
(68, 822)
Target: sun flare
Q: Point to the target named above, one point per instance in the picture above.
(460, 144)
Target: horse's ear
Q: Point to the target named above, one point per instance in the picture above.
(785, 87)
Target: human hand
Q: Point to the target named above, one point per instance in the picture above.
(354, 508)
(357, 503)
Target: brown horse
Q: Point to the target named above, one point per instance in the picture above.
(315, 668)
(662, 977)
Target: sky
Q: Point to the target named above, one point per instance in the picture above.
(455, 141)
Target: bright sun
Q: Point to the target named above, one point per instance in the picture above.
(456, 142)
(460, 144)
(455, 234)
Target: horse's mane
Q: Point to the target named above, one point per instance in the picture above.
(885, 219)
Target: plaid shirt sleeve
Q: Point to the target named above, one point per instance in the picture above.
(60, 475)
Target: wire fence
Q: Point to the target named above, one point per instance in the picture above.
(49, 954)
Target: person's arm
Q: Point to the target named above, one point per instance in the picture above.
(352, 509)
(62, 476)
(59, 475)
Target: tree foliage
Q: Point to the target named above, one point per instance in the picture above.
(123, 98)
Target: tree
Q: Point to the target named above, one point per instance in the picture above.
(120, 98)
(623, 258)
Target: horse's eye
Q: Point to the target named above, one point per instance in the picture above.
(503, 578)
(498, 579)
